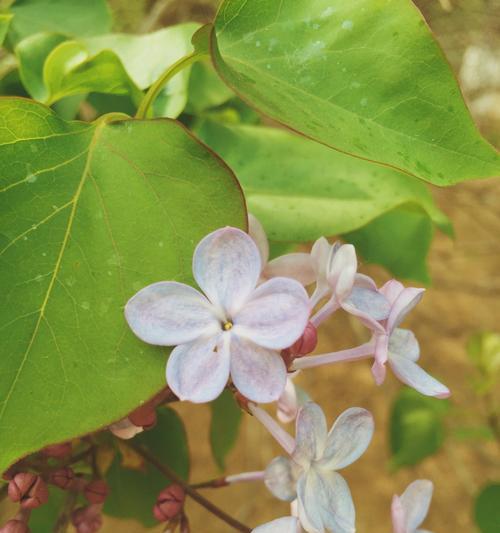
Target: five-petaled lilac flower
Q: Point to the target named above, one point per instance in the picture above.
(399, 346)
(410, 509)
(287, 524)
(336, 276)
(324, 499)
(234, 329)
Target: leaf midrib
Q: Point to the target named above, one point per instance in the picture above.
(41, 316)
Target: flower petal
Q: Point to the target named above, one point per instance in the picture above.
(368, 302)
(392, 289)
(404, 343)
(227, 266)
(320, 253)
(196, 371)
(310, 434)
(276, 314)
(327, 495)
(398, 515)
(415, 376)
(256, 231)
(348, 439)
(309, 516)
(287, 524)
(404, 303)
(342, 270)
(298, 266)
(280, 478)
(169, 313)
(288, 404)
(124, 429)
(415, 501)
(259, 374)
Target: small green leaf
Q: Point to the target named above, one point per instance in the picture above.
(133, 492)
(407, 228)
(365, 77)
(74, 19)
(5, 20)
(487, 509)
(224, 426)
(89, 214)
(286, 176)
(416, 427)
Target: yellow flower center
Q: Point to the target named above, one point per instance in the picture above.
(227, 326)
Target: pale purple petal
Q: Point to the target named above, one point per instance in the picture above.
(276, 314)
(256, 231)
(320, 253)
(308, 510)
(280, 478)
(416, 500)
(342, 270)
(398, 515)
(198, 371)
(298, 266)
(169, 313)
(364, 281)
(415, 376)
(404, 303)
(381, 355)
(404, 343)
(392, 289)
(227, 266)
(288, 405)
(368, 302)
(258, 373)
(287, 524)
(327, 495)
(348, 439)
(378, 372)
(310, 434)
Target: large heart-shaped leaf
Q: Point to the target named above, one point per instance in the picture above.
(4, 26)
(78, 19)
(224, 426)
(89, 214)
(365, 77)
(286, 177)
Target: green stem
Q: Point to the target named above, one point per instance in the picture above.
(157, 86)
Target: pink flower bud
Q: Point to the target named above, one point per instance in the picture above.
(144, 416)
(9, 473)
(87, 519)
(15, 526)
(307, 342)
(28, 489)
(59, 451)
(169, 503)
(63, 478)
(96, 491)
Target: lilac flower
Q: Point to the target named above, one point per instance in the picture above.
(324, 499)
(287, 524)
(335, 267)
(290, 401)
(233, 329)
(399, 346)
(297, 266)
(410, 509)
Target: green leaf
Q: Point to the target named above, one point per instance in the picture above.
(224, 426)
(416, 427)
(286, 176)
(487, 510)
(382, 241)
(44, 518)
(201, 39)
(4, 26)
(365, 77)
(133, 492)
(89, 214)
(74, 19)
(483, 349)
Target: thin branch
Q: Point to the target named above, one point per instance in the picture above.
(170, 474)
(62, 523)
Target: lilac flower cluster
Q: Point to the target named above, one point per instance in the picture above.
(253, 325)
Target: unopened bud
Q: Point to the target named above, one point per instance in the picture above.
(169, 503)
(307, 342)
(87, 519)
(59, 451)
(28, 489)
(96, 491)
(144, 416)
(63, 478)
(15, 526)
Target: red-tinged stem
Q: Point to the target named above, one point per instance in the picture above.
(244, 477)
(284, 439)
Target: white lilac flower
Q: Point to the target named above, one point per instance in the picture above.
(399, 347)
(310, 474)
(410, 509)
(295, 265)
(336, 267)
(287, 524)
(233, 328)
